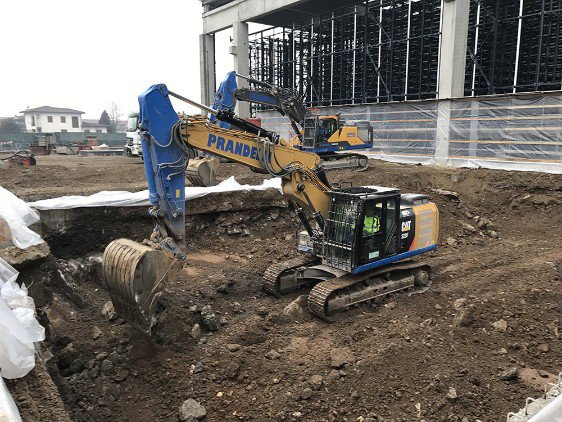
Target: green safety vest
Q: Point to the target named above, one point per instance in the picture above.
(371, 225)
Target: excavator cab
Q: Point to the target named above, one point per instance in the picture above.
(361, 228)
(370, 227)
(318, 130)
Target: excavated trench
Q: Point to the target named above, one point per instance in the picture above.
(87, 343)
(222, 342)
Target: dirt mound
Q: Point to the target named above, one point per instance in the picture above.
(439, 356)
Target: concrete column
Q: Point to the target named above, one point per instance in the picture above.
(452, 60)
(207, 60)
(442, 134)
(241, 52)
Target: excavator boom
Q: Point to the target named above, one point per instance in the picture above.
(168, 143)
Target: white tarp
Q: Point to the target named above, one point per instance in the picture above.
(8, 410)
(19, 329)
(136, 199)
(18, 215)
(509, 132)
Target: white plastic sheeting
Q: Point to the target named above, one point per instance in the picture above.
(508, 132)
(18, 215)
(19, 329)
(135, 199)
(8, 410)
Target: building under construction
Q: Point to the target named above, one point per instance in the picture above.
(455, 82)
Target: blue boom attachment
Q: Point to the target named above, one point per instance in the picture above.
(224, 97)
(164, 161)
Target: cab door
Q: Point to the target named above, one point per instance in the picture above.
(378, 238)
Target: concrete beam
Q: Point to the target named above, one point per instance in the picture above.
(241, 11)
(207, 68)
(452, 60)
(241, 53)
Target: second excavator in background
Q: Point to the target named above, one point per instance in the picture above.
(357, 242)
(328, 136)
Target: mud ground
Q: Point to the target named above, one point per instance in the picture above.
(445, 355)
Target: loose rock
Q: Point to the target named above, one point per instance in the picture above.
(96, 332)
(463, 318)
(295, 309)
(233, 347)
(306, 394)
(316, 381)
(196, 331)
(108, 311)
(192, 410)
(452, 393)
(273, 355)
(459, 304)
(232, 370)
(120, 375)
(340, 357)
(509, 374)
(500, 325)
(209, 319)
(543, 348)
(262, 311)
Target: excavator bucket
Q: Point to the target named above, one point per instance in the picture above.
(201, 171)
(134, 276)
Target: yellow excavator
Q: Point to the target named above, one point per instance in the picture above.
(333, 139)
(357, 242)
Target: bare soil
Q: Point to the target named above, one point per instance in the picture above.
(434, 356)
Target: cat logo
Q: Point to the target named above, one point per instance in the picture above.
(406, 225)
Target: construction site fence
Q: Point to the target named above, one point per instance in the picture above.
(512, 132)
(16, 141)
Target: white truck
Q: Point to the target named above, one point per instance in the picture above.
(133, 145)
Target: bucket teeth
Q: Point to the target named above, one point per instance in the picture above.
(134, 275)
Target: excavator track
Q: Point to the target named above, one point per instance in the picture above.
(332, 296)
(359, 162)
(273, 273)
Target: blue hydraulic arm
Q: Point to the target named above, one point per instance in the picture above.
(224, 97)
(165, 159)
(164, 163)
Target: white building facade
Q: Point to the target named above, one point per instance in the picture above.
(92, 126)
(47, 119)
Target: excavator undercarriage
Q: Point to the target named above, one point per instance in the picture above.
(335, 290)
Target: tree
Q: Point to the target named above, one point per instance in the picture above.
(9, 125)
(106, 121)
(114, 114)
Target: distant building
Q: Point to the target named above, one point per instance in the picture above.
(18, 120)
(47, 119)
(121, 126)
(92, 126)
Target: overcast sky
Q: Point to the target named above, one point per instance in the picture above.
(86, 54)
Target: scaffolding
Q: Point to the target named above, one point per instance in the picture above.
(374, 51)
(388, 50)
(514, 46)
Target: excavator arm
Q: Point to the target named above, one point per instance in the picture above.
(286, 101)
(168, 142)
